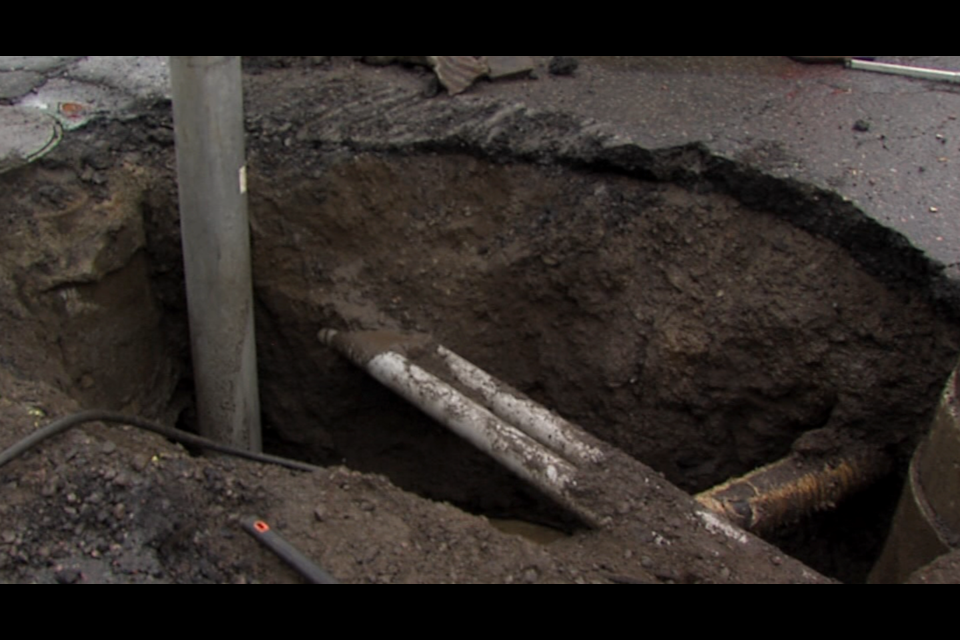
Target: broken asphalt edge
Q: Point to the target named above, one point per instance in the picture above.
(400, 121)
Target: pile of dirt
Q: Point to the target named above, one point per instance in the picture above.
(120, 507)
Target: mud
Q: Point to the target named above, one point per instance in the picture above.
(700, 335)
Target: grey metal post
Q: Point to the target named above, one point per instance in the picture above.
(208, 119)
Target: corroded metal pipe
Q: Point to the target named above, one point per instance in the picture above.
(787, 491)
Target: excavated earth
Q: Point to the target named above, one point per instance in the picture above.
(703, 318)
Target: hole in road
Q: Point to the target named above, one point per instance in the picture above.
(696, 334)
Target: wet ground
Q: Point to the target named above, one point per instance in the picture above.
(615, 243)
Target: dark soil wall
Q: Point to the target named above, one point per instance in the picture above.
(702, 337)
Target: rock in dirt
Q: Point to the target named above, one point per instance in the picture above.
(509, 66)
(564, 65)
(458, 73)
(432, 88)
(69, 576)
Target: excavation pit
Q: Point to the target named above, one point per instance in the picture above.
(699, 335)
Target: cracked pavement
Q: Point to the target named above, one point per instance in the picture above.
(796, 121)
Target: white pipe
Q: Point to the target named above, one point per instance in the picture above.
(532, 461)
(512, 448)
(902, 70)
(533, 419)
(518, 452)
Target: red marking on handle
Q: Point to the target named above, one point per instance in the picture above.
(72, 109)
(261, 526)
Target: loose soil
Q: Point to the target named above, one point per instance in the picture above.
(696, 334)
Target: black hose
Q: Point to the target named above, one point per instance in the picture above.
(276, 543)
(65, 424)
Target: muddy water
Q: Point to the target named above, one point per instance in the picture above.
(533, 532)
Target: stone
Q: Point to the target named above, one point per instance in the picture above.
(564, 65)
(68, 576)
(432, 87)
(458, 73)
(507, 66)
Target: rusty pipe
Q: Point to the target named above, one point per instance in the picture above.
(787, 491)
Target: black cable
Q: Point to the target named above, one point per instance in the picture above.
(276, 543)
(65, 424)
(272, 541)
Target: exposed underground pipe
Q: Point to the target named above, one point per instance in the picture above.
(523, 455)
(533, 419)
(553, 454)
(787, 491)
(211, 172)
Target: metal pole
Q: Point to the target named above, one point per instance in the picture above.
(211, 169)
(902, 70)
